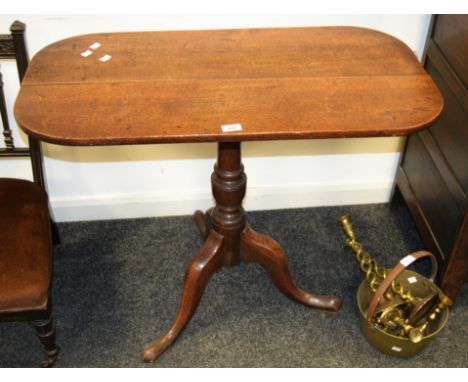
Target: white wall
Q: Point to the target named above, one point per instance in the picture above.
(156, 180)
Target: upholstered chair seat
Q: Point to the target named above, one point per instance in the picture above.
(26, 247)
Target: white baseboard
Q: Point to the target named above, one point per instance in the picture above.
(140, 205)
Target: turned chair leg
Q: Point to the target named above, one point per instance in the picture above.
(56, 239)
(45, 330)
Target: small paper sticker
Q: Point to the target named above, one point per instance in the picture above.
(407, 260)
(94, 46)
(412, 280)
(396, 348)
(105, 58)
(231, 127)
(86, 53)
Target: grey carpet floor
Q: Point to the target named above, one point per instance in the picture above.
(117, 286)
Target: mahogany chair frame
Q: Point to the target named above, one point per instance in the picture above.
(13, 46)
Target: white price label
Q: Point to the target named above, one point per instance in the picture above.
(231, 127)
(105, 58)
(94, 46)
(407, 260)
(86, 53)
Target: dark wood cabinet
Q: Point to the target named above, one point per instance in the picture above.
(433, 175)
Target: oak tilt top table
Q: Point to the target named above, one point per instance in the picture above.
(226, 86)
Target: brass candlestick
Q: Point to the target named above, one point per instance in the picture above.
(401, 312)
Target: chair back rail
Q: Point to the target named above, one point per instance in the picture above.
(13, 46)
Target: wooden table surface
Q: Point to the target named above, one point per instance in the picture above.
(182, 86)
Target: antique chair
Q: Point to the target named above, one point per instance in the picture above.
(27, 232)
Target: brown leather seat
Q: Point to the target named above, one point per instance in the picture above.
(26, 250)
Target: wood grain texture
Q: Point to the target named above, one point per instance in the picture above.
(455, 272)
(450, 37)
(432, 176)
(181, 86)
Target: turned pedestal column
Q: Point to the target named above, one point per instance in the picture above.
(228, 240)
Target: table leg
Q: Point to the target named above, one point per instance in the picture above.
(203, 222)
(229, 241)
(267, 252)
(203, 265)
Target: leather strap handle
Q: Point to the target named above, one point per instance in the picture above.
(402, 265)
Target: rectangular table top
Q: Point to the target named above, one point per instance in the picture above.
(183, 86)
